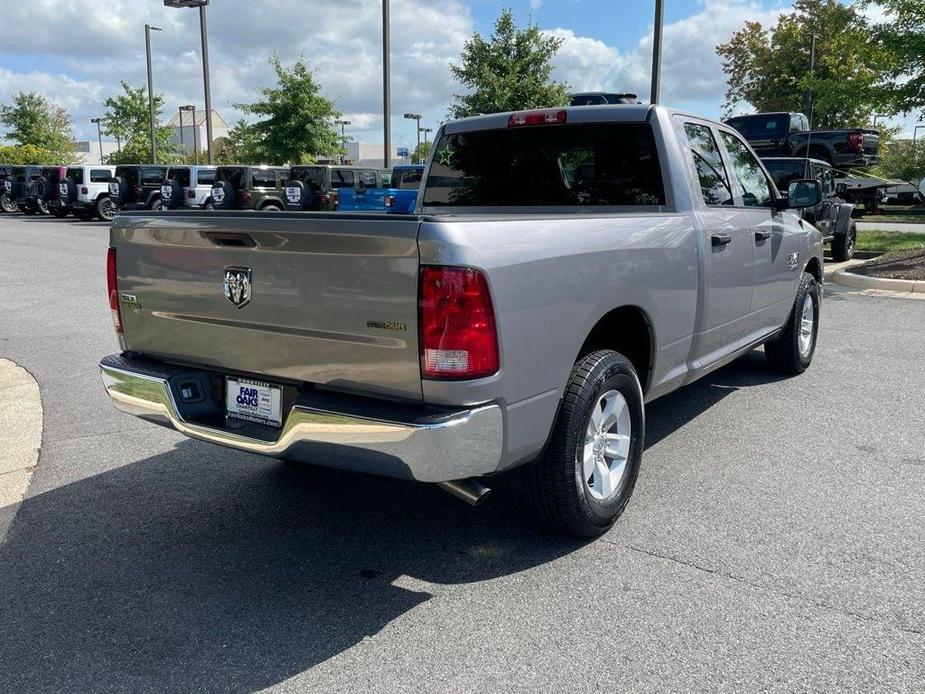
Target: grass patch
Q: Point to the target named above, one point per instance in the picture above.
(887, 241)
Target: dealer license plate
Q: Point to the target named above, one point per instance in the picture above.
(254, 401)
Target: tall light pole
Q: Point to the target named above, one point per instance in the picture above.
(148, 30)
(386, 90)
(343, 136)
(416, 117)
(425, 131)
(657, 52)
(190, 107)
(99, 135)
(206, 82)
(182, 144)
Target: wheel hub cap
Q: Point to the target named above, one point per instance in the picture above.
(607, 445)
(807, 322)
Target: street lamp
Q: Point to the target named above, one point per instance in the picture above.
(190, 107)
(343, 136)
(99, 135)
(425, 131)
(207, 86)
(386, 87)
(416, 117)
(657, 51)
(148, 30)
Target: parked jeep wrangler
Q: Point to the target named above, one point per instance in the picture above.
(315, 187)
(137, 186)
(22, 189)
(832, 216)
(249, 188)
(188, 186)
(85, 192)
(6, 185)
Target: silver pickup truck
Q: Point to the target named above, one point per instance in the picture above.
(562, 268)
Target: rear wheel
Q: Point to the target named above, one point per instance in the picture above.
(792, 351)
(271, 207)
(6, 204)
(42, 207)
(157, 205)
(208, 205)
(105, 209)
(584, 479)
(843, 245)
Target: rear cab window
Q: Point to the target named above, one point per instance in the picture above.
(205, 177)
(342, 178)
(151, 176)
(181, 175)
(76, 174)
(99, 175)
(568, 165)
(263, 178)
(367, 179)
(129, 173)
(408, 180)
(235, 175)
(311, 176)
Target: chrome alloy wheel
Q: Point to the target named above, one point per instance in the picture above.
(807, 323)
(607, 445)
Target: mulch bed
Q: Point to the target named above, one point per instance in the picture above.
(902, 265)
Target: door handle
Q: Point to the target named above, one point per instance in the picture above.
(720, 239)
(762, 235)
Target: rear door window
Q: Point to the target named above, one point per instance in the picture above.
(205, 177)
(100, 175)
(129, 173)
(586, 165)
(76, 174)
(342, 178)
(233, 174)
(264, 178)
(181, 175)
(367, 179)
(754, 185)
(714, 180)
(153, 176)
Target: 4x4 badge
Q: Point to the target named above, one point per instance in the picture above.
(238, 285)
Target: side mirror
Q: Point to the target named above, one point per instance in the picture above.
(804, 193)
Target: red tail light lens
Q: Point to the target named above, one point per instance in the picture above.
(84, 190)
(191, 194)
(856, 141)
(111, 287)
(545, 117)
(138, 191)
(389, 200)
(246, 197)
(458, 335)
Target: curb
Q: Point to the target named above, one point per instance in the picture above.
(850, 279)
(20, 437)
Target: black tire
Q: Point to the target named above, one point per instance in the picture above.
(208, 205)
(42, 207)
(843, 244)
(105, 209)
(157, 205)
(271, 207)
(84, 216)
(783, 353)
(27, 210)
(556, 487)
(7, 204)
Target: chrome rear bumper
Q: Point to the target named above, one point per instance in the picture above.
(426, 446)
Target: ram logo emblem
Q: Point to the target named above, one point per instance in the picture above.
(238, 285)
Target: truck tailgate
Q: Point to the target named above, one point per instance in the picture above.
(333, 297)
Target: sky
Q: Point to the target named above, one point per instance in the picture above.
(77, 51)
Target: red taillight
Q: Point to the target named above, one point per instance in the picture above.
(191, 194)
(546, 117)
(84, 190)
(458, 335)
(138, 191)
(389, 200)
(246, 197)
(856, 141)
(113, 292)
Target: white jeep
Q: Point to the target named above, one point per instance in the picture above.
(85, 191)
(188, 186)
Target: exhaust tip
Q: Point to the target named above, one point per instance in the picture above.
(470, 490)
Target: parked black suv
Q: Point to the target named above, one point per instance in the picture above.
(314, 186)
(832, 216)
(249, 188)
(6, 184)
(788, 135)
(22, 188)
(137, 186)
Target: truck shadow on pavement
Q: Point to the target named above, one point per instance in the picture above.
(204, 569)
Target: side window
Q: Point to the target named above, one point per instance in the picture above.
(264, 179)
(714, 181)
(150, 177)
(366, 179)
(341, 178)
(99, 176)
(754, 185)
(205, 177)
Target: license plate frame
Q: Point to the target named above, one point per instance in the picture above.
(249, 400)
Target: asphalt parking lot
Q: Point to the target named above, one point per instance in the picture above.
(776, 540)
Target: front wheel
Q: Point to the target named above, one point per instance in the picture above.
(271, 207)
(106, 209)
(792, 351)
(843, 245)
(157, 205)
(585, 477)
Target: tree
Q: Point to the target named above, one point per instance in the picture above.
(902, 159)
(127, 118)
(20, 155)
(34, 120)
(419, 153)
(243, 145)
(509, 71)
(770, 68)
(902, 38)
(297, 121)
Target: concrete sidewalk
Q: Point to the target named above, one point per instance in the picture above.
(20, 437)
(871, 224)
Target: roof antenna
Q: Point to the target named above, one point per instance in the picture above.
(809, 99)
